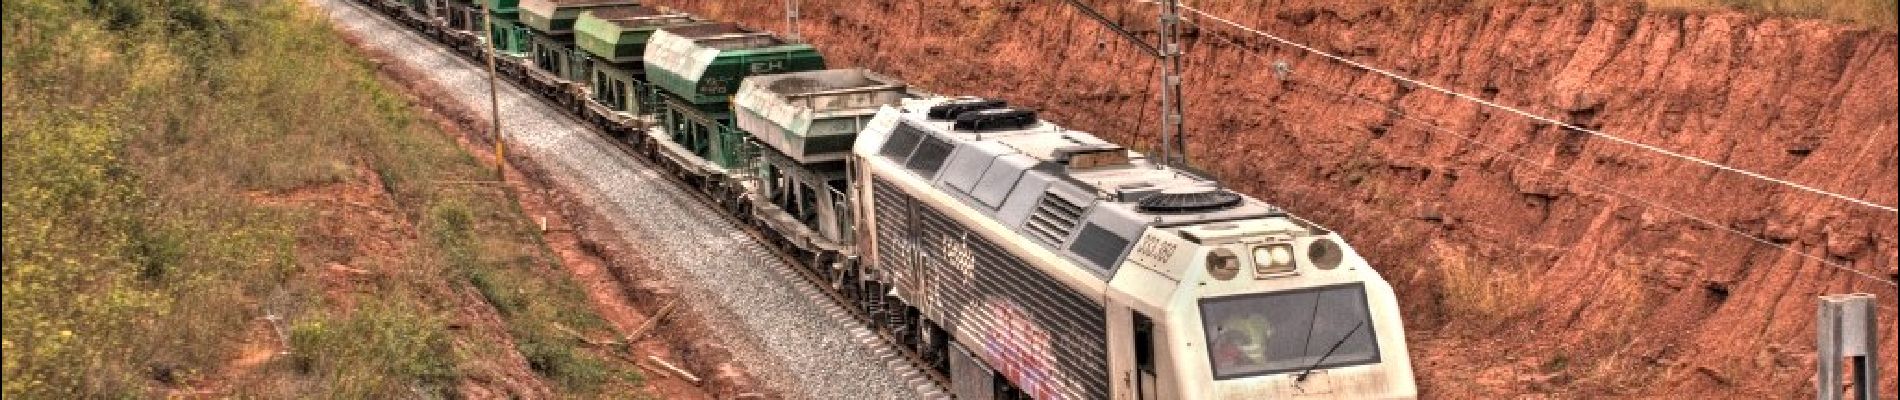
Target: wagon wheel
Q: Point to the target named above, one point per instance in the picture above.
(737, 207)
(717, 191)
(848, 285)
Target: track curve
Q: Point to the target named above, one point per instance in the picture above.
(789, 333)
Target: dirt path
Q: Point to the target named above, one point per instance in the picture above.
(610, 297)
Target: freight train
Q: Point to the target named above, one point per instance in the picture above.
(1015, 257)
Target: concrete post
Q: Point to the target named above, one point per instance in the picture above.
(1845, 328)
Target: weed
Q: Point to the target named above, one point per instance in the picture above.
(1479, 295)
(382, 350)
(560, 361)
(1556, 363)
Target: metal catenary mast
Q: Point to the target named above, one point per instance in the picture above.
(1167, 52)
(1172, 113)
(791, 21)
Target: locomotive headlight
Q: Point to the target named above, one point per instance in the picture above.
(1273, 259)
(1222, 264)
(1325, 254)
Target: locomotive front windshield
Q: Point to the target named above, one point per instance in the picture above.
(1289, 331)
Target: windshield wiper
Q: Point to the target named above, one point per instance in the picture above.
(1329, 352)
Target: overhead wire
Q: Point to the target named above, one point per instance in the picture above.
(1141, 120)
(1472, 139)
(1553, 121)
(1401, 114)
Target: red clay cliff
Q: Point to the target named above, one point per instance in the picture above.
(1529, 258)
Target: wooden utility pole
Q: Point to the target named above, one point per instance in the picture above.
(494, 99)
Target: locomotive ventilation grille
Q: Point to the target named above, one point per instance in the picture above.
(1048, 338)
(929, 157)
(1054, 219)
(903, 139)
(893, 239)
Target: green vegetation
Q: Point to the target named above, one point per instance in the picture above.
(375, 353)
(534, 308)
(138, 135)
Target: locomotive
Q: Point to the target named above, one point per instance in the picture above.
(1075, 268)
(1015, 257)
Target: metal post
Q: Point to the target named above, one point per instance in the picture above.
(1173, 138)
(1167, 70)
(791, 21)
(1166, 160)
(1167, 54)
(1845, 328)
(494, 99)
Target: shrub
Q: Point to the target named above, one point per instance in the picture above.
(383, 350)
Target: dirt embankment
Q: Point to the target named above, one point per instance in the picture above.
(624, 287)
(1517, 273)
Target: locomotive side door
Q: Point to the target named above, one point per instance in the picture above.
(1144, 349)
(1133, 355)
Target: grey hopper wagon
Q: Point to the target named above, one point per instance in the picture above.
(813, 116)
(805, 123)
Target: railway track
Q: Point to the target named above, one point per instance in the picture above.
(816, 285)
(902, 363)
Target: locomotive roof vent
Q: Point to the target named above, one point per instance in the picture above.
(949, 110)
(995, 119)
(1134, 192)
(1083, 156)
(1200, 199)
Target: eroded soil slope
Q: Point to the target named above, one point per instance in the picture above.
(1518, 271)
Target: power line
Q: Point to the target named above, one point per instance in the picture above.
(1527, 114)
(1401, 114)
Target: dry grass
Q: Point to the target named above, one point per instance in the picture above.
(1876, 13)
(1480, 296)
(1883, 14)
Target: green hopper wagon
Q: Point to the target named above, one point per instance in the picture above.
(616, 38)
(698, 68)
(552, 44)
(507, 33)
(462, 15)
